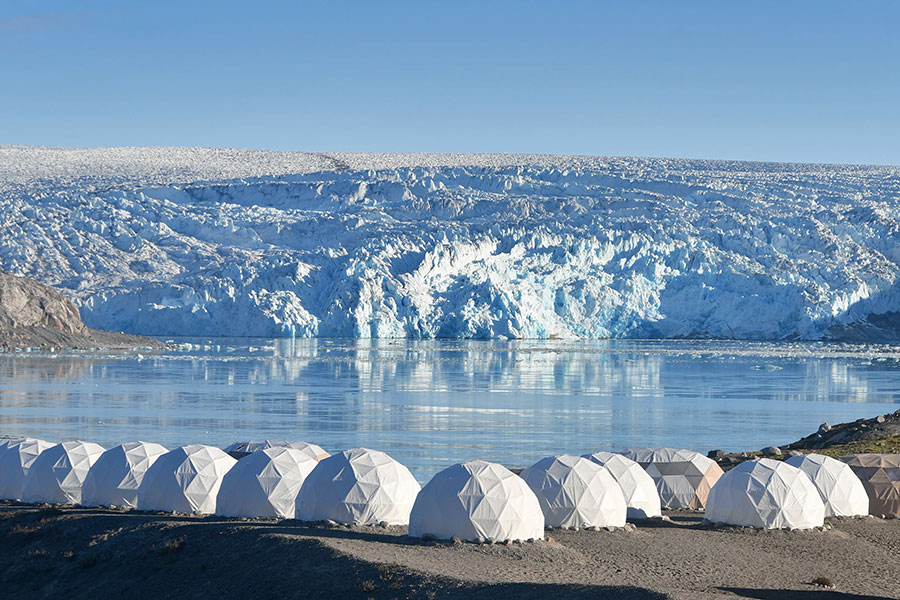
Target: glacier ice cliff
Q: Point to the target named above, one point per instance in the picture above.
(226, 242)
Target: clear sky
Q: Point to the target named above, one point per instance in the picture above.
(814, 81)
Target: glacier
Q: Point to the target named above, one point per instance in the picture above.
(219, 242)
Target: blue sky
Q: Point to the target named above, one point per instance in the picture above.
(812, 81)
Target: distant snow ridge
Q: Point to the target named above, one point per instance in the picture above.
(476, 246)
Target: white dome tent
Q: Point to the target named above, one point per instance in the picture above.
(56, 475)
(574, 492)
(265, 484)
(311, 450)
(683, 477)
(239, 450)
(116, 476)
(477, 500)
(358, 486)
(768, 494)
(839, 487)
(185, 480)
(16, 457)
(638, 487)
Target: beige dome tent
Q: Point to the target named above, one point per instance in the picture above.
(265, 484)
(185, 480)
(358, 486)
(841, 490)
(880, 476)
(768, 494)
(638, 487)
(574, 492)
(16, 457)
(56, 476)
(683, 477)
(116, 476)
(477, 501)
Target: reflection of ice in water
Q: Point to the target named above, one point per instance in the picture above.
(431, 403)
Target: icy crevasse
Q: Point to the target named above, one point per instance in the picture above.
(461, 246)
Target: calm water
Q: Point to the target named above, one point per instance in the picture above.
(430, 404)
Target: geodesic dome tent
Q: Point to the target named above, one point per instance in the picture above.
(56, 475)
(265, 484)
(116, 476)
(683, 477)
(880, 476)
(239, 450)
(575, 492)
(477, 500)
(185, 480)
(16, 458)
(358, 486)
(766, 493)
(638, 487)
(839, 487)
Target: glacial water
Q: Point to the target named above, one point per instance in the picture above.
(432, 403)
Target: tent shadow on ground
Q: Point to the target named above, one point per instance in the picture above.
(678, 522)
(86, 554)
(798, 594)
(290, 526)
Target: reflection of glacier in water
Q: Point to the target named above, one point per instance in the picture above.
(431, 403)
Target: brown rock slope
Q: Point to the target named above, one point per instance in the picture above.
(35, 315)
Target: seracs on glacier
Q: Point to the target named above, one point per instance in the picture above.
(209, 242)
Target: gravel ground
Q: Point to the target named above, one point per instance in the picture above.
(51, 552)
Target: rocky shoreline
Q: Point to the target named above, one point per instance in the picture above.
(34, 315)
(878, 434)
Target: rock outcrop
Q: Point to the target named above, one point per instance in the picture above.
(861, 430)
(35, 315)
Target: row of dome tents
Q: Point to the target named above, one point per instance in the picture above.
(473, 500)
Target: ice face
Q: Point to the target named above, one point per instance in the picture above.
(226, 242)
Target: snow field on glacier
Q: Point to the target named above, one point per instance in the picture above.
(211, 242)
